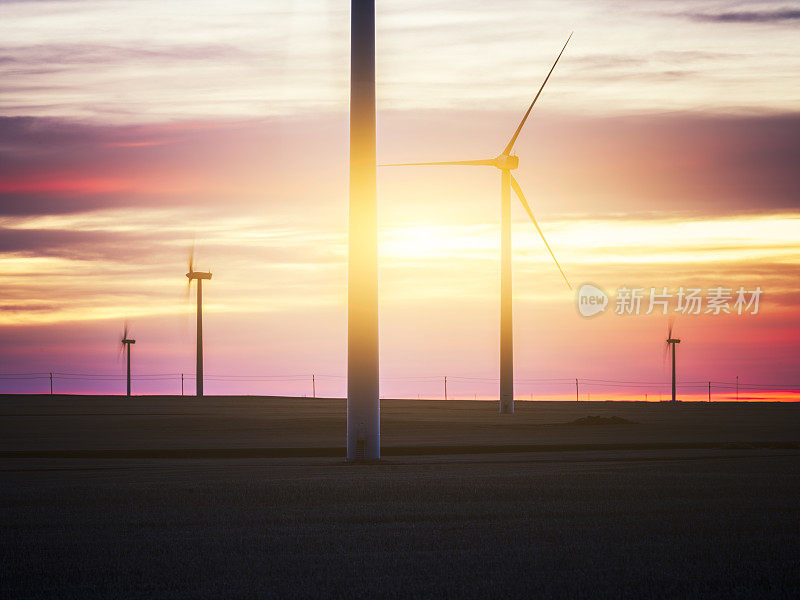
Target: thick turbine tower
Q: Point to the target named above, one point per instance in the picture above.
(363, 404)
(198, 276)
(506, 162)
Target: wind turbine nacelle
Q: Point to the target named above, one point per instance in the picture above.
(507, 162)
(198, 275)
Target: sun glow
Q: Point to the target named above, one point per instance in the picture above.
(606, 241)
(424, 260)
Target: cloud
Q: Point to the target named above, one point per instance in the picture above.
(140, 62)
(763, 16)
(268, 209)
(104, 54)
(689, 164)
(84, 245)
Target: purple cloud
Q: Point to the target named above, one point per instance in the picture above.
(763, 16)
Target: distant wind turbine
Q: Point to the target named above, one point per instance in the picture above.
(199, 276)
(671, 342)
(125, 346)
(506, 162)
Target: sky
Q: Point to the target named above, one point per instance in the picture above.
(662, 153)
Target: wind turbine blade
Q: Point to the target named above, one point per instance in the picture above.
(191, 258)
(669, 337)
(530, 108)
(470, 163)
(527, 208)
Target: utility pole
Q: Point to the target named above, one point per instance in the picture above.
(445, 387)
(737, 388)
(709, 391)
(577, 394)
(51, 384)
(181, 384)
(313, 385)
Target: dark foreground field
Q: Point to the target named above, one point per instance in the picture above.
(691, 500)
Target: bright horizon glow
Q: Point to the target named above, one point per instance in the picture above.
(405, 253)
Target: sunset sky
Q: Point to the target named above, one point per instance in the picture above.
(664, 152)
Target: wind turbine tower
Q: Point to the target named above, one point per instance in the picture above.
(198, 276)
(673, 342)
(506, 162)
(125, 346)
(363, 404)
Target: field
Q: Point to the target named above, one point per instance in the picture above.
(250, 497)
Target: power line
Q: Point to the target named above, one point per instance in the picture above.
(312, 378)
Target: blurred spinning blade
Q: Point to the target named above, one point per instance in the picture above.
(666, 342)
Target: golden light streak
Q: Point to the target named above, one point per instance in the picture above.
(607, 241)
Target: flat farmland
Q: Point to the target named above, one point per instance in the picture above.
(62, 423)
(141, 497)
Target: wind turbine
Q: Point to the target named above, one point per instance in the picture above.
(199, 276)
(125, 346)
(506, 162)
(671, 342)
